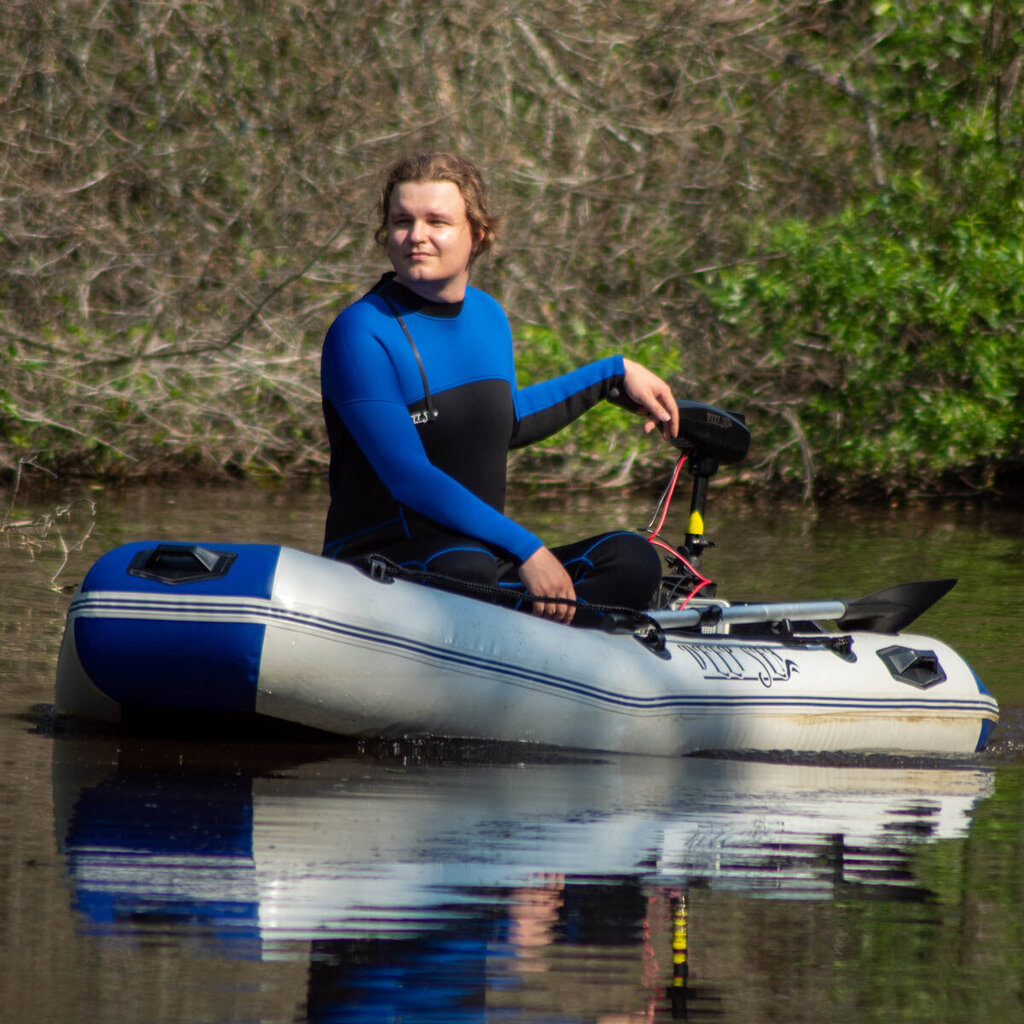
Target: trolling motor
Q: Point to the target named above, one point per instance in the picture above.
(710, 438)
(707, 438)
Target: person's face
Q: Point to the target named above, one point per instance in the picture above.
(430, 240)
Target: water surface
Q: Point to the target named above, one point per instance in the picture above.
(237, 878)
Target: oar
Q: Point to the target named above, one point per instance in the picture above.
(888, 611)
(894, 608)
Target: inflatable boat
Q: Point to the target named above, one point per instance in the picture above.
(361, 651)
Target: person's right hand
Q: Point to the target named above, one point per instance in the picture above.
(543, 575)
(654, 396)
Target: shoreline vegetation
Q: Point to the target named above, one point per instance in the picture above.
(811, 212)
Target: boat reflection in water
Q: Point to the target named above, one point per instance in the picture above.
(424, 889)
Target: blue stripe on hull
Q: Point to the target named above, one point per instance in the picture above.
(178, 662)
(186, 636)
(987, 725)
(623, 701)
(202, 666)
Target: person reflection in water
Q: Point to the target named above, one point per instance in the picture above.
(422, 407)
(522, 951)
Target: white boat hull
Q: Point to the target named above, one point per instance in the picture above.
(307, 640)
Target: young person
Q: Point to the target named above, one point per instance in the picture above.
(422, 407)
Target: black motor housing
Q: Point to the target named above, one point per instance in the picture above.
(711, 432)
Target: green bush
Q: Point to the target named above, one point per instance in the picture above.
(893, 330)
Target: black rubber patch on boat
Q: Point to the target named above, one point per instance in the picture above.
(918, 668)
(181, 563)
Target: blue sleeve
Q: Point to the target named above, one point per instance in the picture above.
(544, 409)
(361, 382)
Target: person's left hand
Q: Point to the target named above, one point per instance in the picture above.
(651, 393)
(543, 575)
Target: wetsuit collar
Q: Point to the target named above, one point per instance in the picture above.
(416, 303)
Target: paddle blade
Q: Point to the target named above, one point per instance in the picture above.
(894, 608)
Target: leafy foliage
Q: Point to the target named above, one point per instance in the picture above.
(897, 323)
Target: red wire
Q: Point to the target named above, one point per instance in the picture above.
(658, 542)
(669, 493)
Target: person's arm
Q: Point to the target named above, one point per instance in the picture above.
(545, 408)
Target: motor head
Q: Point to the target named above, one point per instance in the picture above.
(712, 433)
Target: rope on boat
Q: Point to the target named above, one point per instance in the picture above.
(382, 568)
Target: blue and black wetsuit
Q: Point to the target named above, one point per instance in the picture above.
(429, 491)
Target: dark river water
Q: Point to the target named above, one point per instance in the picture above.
(289, 878)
